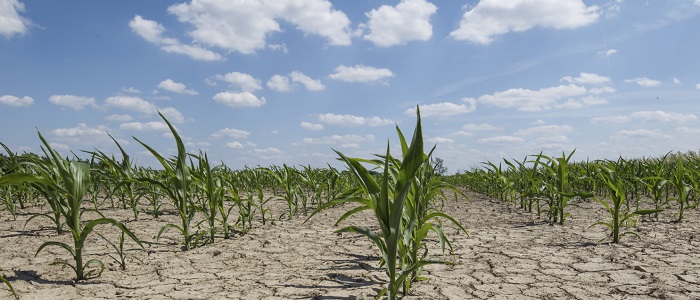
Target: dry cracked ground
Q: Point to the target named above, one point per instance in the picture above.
(509, 254)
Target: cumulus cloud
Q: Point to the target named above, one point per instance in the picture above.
(282, 83)
(176, 87)
(147, 126)
(642, 134)
(480, 127)
(131, 90)
(308, 82)
(338, 139)
(244, 26)
(231, 133)
(234, 145)
(440, 140)
(490, 18)
(139, 105)
(16, 101)
(445, 109)
(350, 120)
(279, 83)
(72, 101)
(657, 115)
(119, 118)
(311, 126)
(503, 139)
(587, 78)
(245, 82)
(82, 130)
(152, 31)
(11, 22)
(532, 100)
(396, 25)
(361, 73)
(244, 99)
(644, 81)
(547, 130)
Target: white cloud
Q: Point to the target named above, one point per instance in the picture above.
(338, 139)
(657, 115)
(676, 80)
(139, 105)
(231, 133)
(81, 131)
(311, 126)
(59, 146)
(662, 116)
(440, 140)
(407, 21)
(532, 100)
(641, 134)
(480, 127)
(243, 26)
(279, 83)
(16, 101)
(444, 109)
(131, 90)
(282, 83)
(246, 82)
(151, 126)
(697, 86)
(601, 90)
(610, 52)
(644, 81)
(308, 82)
(11, 22)
(119, 118)
(350, 120)
(490, 18)
(245, 99)
(269, 150)
(176, 87)
(688, 130)
(548, 130)
(587, 78)
(503, 139)
(153, 32)
(234, 145)
(72, 101)
(361, 73)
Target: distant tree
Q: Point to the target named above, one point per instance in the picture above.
(439, 167)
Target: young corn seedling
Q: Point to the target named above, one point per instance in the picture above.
(617, 187)
(70, 179)
(560, 190)
(177, 184)
(386, 198)
(122, 255)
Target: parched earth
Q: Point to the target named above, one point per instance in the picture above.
(509, 254)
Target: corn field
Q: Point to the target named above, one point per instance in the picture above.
(407, 207)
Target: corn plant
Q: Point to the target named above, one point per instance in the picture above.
(124, 172)
(71, 179)
(177, 184)
(386, 197)
(681, 180)
(559, 190)
(122, 255)
(617, 187)
(9, 286)
(285, 177)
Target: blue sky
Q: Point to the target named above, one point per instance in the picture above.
(286, 81)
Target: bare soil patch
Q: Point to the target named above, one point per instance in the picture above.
(509, 254)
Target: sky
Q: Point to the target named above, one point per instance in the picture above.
(267, 82)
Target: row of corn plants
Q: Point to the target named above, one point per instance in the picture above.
(626, 188)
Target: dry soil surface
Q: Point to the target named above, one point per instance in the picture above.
(509, 254)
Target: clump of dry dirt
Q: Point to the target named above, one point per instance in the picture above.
(508, 254)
